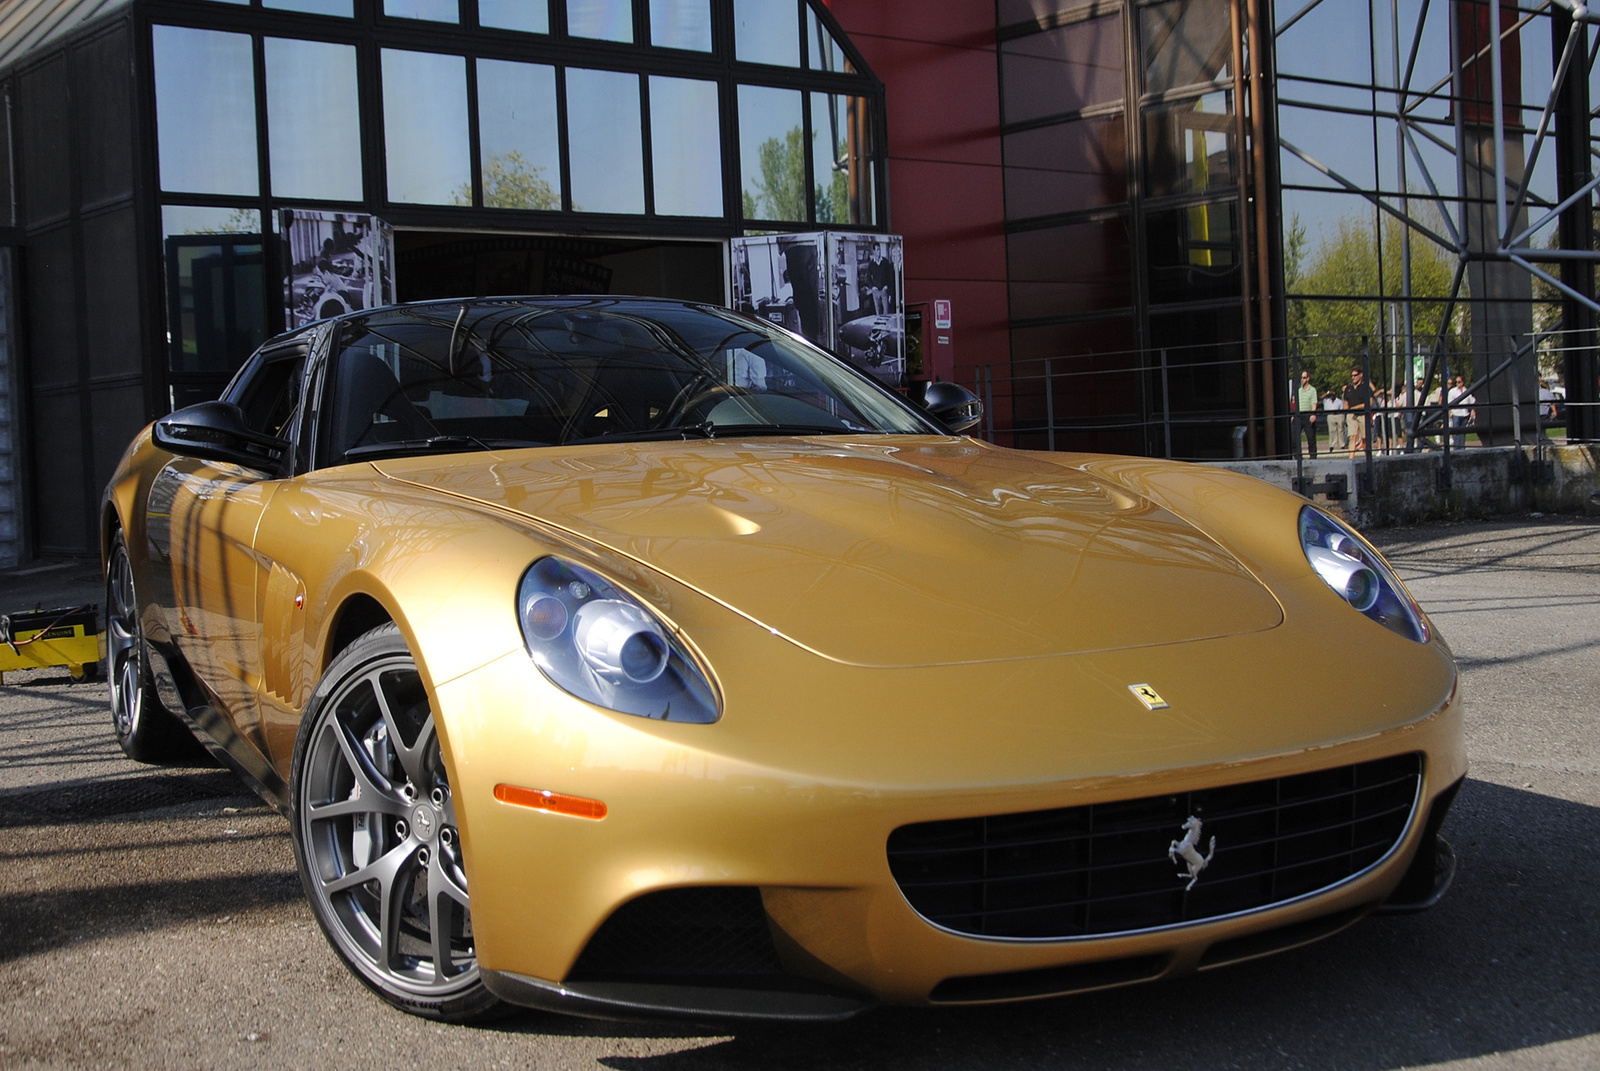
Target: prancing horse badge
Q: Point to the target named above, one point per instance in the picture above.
(1149, 696)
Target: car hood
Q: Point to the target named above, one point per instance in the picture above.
(884, 551)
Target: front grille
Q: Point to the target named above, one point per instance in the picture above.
(701, 934)
(1104, 868)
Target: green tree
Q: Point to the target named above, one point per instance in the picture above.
(833, 200)
(1341, 292)
(509, 181)
(780, 192)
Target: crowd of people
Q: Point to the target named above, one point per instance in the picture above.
(1358, 416)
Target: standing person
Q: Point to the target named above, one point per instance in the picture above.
(880, 274)
(1338, 433)
(1357, 401)
(1460, 411)
(1305, 415)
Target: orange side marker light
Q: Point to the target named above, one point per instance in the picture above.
(545, 800)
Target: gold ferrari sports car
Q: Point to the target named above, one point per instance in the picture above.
(634, 657)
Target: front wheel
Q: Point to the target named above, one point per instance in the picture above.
(375, 835)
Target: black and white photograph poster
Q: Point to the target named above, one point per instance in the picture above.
(867, 302)
(338, 262)
(777, 278)
(843, 291)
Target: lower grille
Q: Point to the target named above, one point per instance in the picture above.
(1104, 868)
(703, 934)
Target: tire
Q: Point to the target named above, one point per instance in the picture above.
(374, 833)
(147, 731)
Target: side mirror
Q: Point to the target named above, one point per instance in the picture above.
(216, 431)
(951, 404)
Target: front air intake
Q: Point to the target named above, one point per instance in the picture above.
(1105, 868)
(705, 935)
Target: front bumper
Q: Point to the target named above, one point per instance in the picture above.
(692, 806)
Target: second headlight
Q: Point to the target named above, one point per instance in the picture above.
(1359, 575)
(600, 644)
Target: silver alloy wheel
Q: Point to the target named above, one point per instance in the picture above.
(124, 646)
(378, 828)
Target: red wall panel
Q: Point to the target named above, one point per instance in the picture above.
(946, 188)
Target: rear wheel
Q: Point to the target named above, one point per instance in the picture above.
(375, 834)
(147, 731)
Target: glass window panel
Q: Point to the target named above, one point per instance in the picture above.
(841, 159)
(1096, 378)
(425, 128)
(767, 31)
(313, 120)
(1113, 337)
(1186, 42)
(771, 153)
(1336, 140)
(517, 135)
(1189, 147)
(191, 219)
(530, 16)
(1193, 252)
(1327, 42)
(605, 141)
(607, 20)
(681, 24)
(1058, 271)
(314, 7)
(823, 52)
(1205, 372)
(432, 10)
(215, 299)
(1064, 70)
(205, 111)
(686, 146)
(1067, 167)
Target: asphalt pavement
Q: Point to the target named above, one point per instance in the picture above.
(152, 918)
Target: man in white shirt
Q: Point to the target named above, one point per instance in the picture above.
(1338, 432)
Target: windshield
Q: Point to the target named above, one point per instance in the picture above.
(502, 374)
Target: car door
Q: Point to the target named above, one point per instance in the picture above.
(214, 510)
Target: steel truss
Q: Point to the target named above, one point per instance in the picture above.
(1528, 246)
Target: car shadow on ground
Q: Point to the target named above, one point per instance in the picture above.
(1508, 961)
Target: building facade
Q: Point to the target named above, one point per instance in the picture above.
(1122, 219)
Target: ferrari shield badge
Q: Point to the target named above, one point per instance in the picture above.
(1148, 696)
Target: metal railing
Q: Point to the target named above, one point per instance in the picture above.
(1193, 403)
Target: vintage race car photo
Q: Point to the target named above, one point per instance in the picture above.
(635, 657)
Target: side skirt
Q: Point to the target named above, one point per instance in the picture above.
(184, 696)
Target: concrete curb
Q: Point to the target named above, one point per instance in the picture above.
(1484, 482)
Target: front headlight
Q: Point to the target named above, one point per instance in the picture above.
(600, 644)
(1360, 576)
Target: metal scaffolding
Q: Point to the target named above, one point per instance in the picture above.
(1475, 115)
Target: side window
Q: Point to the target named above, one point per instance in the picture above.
(271, 395)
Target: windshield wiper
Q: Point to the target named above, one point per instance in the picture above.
(438, 444)
(732, 431)
(708, 430)
(702, 430)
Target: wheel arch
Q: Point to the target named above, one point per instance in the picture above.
(358, 614)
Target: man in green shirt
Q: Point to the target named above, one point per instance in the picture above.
(1305, 415)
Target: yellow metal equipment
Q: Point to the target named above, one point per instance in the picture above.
(65, 636)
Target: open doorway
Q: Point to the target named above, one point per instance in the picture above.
(446, 264)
